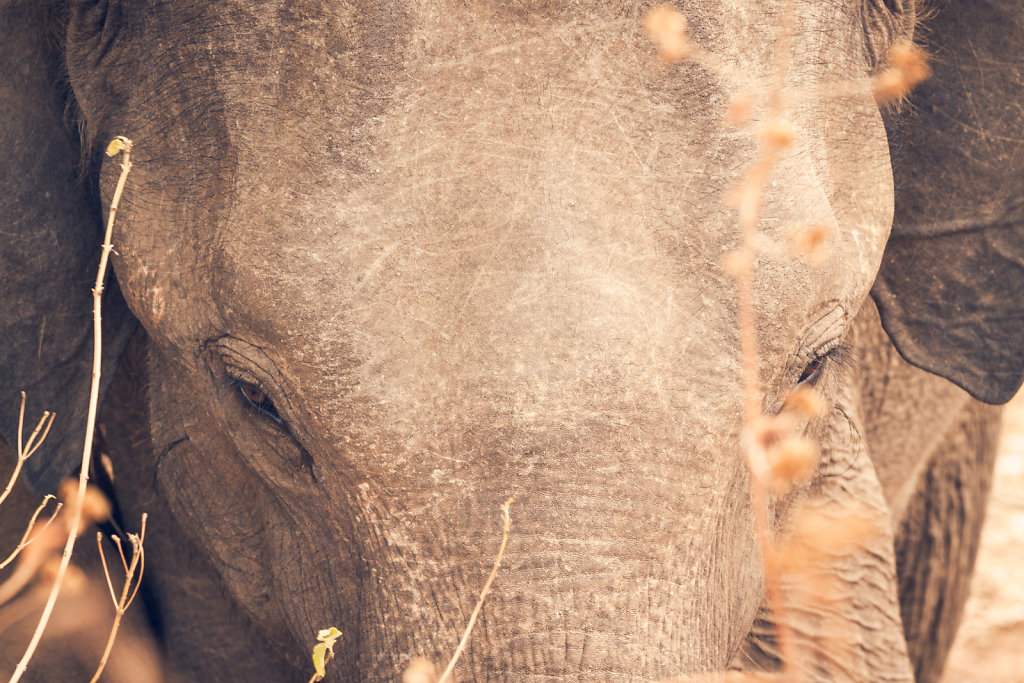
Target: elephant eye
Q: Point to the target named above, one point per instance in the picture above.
(837, 356)
(811, 370)
(257, 398)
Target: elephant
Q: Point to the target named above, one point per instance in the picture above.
(380, 266)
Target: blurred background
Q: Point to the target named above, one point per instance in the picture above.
(990, 644)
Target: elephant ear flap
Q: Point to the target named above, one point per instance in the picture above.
(950, 290)
(50, 235)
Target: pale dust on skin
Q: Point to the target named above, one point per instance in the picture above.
(988, 645)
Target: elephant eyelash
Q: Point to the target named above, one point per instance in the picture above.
(837, 355)
(811, 369)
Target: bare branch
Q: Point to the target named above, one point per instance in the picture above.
(119, 144)
(21, 425)
(120, 551)
(121, 606)
(32, 446)
(483, 593)
(106, 571)
(25, 540)
(137, 542)
(25, 451)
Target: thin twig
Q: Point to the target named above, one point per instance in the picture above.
(25, 451)
(120, 551)
(83, 474)
(21, 425)
(32, 445)
(757, 463)
(25, 540)
(142, 561)
(483, 593)
(121, 606)
(103, 560)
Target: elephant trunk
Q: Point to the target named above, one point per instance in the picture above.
(598, 580)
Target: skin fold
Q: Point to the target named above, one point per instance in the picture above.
(385, 265)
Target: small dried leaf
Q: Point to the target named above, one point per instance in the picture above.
(328, 635)
(420, 670)
(323, 651)
(320, 651)
(911, 60)
(740, 108)
(804, 401)
(68, 490)
(95, 506)
(666, 26)
(777, 134)
(792, 461)
(770, 429)
(811, 243)
(907, 67)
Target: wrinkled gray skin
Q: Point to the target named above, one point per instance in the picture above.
(472, 250)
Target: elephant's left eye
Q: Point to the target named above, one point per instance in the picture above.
(257, 398)
(811, 370)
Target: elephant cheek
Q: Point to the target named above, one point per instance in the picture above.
(274, 561)
(839, 573)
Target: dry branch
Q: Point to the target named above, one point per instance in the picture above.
(777, 457)
(25, 450)
(119, 144)
(27, 538)
(138, 562)
(483, 593)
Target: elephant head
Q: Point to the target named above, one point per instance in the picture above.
(392, 263)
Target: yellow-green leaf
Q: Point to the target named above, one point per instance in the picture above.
(320, 658)
(328, 635)
(115, 146)
(324, 650)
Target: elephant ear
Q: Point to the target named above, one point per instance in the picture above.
(50, 235)
(951, 286)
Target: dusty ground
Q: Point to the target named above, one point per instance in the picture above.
(990, 645)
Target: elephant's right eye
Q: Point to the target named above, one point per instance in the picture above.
(257, 398)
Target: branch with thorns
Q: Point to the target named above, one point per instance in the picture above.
(79, 502)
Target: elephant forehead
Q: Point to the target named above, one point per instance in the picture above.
(568, 138)
(487, 179)
(499, 239)
(545, 188)
(493, 303)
